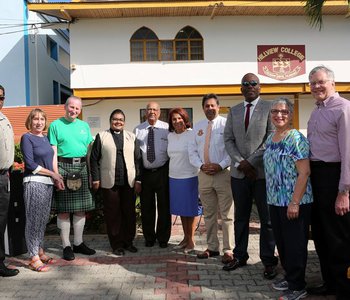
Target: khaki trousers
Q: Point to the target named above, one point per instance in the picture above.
(216, 196)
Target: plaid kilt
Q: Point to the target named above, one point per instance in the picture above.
(73, 201)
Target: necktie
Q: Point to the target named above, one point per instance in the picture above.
(247, 116)
(151, 155)
(207, 143)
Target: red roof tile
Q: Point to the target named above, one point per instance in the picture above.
(18, 116)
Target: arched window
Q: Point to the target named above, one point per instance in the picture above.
(189, 44)
(144, 45)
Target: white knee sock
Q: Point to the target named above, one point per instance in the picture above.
(64, 226)
(78, 225)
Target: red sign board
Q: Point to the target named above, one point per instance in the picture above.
(281, 62)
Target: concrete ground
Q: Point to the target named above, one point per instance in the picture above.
(151, 273)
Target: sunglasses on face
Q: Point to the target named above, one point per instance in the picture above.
(250, 83)
(284, 112)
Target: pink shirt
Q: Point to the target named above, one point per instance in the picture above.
(328, 131)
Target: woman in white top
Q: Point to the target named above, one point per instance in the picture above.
(183, 179)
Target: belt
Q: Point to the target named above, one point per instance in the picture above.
(323, 163)
(71, 160)
(3, 171)
(154, 169)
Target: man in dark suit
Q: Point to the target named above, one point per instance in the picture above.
(246, 130)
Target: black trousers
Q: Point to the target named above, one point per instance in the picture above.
(155, 182)
(244, 191)
(331, 232)
(4, 205)
(291, 239)
(120, 216)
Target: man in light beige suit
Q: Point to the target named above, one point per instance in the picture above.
(207, 153)
(115, 168)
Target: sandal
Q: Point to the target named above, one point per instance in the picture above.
(38, 266)
(46, 259)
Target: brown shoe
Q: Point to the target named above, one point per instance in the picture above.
(227, 258)
(207, 253)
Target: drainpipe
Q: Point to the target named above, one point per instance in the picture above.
(215, 6)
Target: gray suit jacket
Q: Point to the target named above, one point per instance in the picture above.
(248, 145)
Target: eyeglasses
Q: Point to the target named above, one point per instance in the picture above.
(284, 112)
(320, 83)
(118, 120)
(2, 98)
(248, 83)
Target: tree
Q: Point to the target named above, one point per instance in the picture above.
(313, 9)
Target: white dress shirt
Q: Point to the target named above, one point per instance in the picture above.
(161, 131)
(217, 151)
(253, 103)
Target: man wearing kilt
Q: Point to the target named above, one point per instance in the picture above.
(70, 138)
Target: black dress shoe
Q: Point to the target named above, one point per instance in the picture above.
(131, 249)
(270, 272)
(68, 253)
(119, 251)
(149, 244)
(321, 290)
(234, 264)
(83, 249)
(6, 272)
(163, 244)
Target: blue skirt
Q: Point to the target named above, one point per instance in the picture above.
(184, 197)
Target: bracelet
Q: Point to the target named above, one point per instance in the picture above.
(295, 203)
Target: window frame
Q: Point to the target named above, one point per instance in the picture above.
(173, 56)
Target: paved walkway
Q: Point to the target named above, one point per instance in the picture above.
(152, 273)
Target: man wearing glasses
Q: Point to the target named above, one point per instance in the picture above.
(152, 136)
(246, 130)
(6, 161)
(329, 135)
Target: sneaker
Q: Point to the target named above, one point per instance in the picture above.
(293, 295)
(68, 253)
(280, 285)
(83, 249)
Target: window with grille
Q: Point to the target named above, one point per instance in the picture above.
(187, 45)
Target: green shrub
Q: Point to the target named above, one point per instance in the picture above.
(18, 154)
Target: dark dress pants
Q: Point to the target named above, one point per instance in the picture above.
(244, 191)
(4, 204)
(155, 182)
(291, 239)
(120, 216)
(331, 232)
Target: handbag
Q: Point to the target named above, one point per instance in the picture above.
(74, 181)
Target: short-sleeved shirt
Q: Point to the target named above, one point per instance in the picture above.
(6, 143)
(71, 138)
(280, 168)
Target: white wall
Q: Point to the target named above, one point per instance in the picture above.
(131, 108)
(100, 49)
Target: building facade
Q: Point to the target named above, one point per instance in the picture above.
(34, 56)
(125, 54)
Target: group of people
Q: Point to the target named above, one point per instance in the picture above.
(226, 164)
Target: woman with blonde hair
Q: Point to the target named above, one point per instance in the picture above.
(38, 182)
